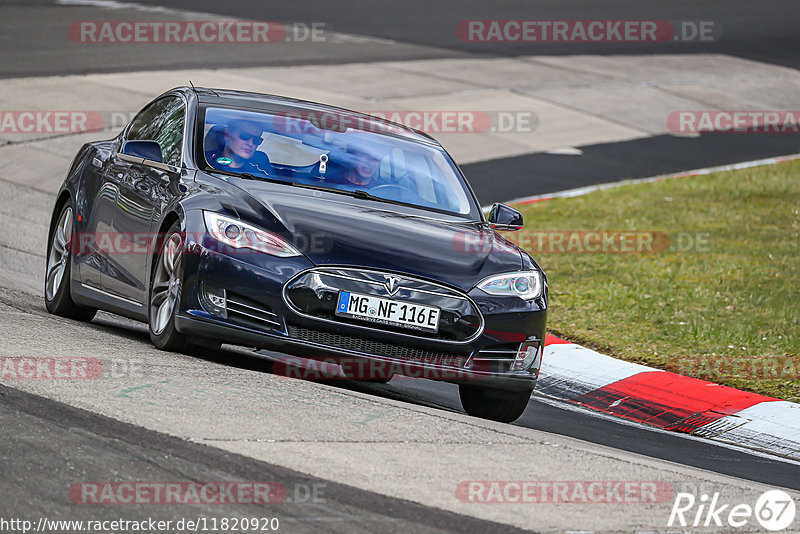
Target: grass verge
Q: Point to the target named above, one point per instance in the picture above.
(716, 295)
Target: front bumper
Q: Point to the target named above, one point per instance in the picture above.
(261, 318)
(206, 327)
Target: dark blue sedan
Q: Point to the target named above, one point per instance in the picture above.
(222, 216)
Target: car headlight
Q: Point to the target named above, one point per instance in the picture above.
(239, 234)
(525, 284)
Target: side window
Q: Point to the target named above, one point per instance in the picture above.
(161, 121)
(170, 135)
(148, 121)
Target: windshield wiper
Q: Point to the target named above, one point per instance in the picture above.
(247, 176)
(358, 193)
(250, 176)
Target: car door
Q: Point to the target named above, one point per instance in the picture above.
(141, 187)
(99, 198)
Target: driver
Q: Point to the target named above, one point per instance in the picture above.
(238, 153)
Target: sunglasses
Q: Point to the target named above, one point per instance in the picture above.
(256, 139)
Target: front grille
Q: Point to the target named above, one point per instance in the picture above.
(315, 293)
(250, 313)
(377, 348)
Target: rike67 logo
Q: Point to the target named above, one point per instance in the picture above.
(774, 510)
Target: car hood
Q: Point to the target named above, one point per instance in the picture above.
(332, 229)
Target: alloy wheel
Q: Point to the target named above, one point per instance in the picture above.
(59, 254)
(166, 284)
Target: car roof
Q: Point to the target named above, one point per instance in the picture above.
(275, 103)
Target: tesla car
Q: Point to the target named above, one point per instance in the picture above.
(221, 216)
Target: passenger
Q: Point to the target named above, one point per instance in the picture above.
(362, 170)
(238, 153)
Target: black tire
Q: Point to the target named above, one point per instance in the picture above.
(378, 380)
(493, 404)
(57, 297)
(168, 338)
(382, 379)
(372, 376)
(202, 346)
(164, 335)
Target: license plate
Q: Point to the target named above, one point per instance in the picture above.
(388, 312)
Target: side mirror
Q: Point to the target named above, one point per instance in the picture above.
(149, 150)
(504, 217)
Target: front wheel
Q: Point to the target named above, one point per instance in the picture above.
(165, 286)
(493, 404)
(57, 277)
(164, 295)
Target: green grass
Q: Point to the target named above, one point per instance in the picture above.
(727, 311)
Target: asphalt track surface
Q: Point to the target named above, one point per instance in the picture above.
(541, 173)
(557, 418)
(541, 414)
(764, 31)
(35, 470)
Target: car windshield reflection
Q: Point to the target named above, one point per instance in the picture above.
(339, 152)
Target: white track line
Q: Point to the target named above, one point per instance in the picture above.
(565, 405)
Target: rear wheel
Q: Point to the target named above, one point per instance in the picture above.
(493, 404)
(57, 277)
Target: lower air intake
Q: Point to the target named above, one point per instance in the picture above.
(377, 348)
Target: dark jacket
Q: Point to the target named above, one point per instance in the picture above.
(258, 165)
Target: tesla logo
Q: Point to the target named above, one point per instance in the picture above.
(392, 284)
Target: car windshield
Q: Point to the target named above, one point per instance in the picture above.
(334, 151)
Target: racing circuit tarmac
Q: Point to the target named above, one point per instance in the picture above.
(387, 458)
